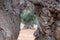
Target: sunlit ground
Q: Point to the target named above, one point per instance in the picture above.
(26, 34)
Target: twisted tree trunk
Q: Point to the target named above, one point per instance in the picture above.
(48, 12)
(9, 19)
(49, 17)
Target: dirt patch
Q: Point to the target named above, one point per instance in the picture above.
(26, 34)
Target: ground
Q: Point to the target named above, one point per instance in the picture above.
(26, 34)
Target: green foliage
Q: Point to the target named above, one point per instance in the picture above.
(28, 15)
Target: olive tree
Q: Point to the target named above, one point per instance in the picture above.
(9, 19)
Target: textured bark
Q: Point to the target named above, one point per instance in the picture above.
(48, 12)
(9, 19)
(49, 17)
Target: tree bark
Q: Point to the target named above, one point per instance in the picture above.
(9, 19)
(48, 14)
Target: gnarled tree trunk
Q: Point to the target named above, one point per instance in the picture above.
(49, 18)
(48, 12)
(9, 19)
